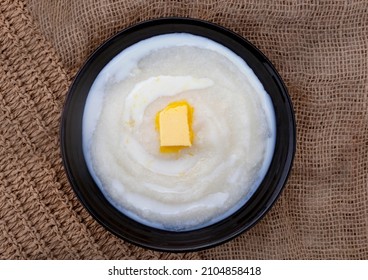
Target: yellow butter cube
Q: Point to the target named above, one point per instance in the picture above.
(174, 127)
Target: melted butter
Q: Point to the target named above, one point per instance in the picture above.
(189, 115)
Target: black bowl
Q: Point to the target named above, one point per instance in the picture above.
(126, 228)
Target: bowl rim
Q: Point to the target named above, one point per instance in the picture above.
(152, 238)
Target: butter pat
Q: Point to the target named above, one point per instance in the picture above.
(174, 126)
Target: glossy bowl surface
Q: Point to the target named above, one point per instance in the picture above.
(92, 198)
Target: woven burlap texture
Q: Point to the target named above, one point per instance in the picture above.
(320, 49)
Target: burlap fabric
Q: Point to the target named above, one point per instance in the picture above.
(320, 49)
